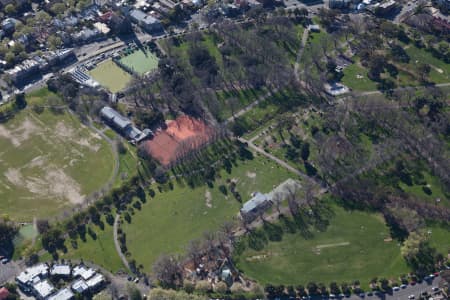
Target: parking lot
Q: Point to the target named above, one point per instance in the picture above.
(8, 271)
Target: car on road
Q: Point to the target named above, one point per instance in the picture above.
(435, 288)
(396, 288)
(411, 297)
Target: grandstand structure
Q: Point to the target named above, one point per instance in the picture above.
(80, 75)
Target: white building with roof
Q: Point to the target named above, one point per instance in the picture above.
(60, 270)
(83, 272)
(80, 286)
(123, 124)
(147, 22)
(43, 289)
(256, 204)
(31, 274)
(95, 282)
(64, 294)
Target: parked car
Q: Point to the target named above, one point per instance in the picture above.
(435, 288)
(5, 260)
(411, 297)
(396, 288)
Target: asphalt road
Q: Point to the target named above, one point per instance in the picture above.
(8, 271)
(402, 294)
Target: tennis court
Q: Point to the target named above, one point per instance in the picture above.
(139, 61)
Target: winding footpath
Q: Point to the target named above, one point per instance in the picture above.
(117, 244)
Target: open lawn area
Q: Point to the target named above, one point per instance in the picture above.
(100, 250)
(439, 237)
(351, 248)
(431, 185)
(140, 61)
(355, 77)
(49, 161)
(171, 219)
(440, 71)
(111, 76)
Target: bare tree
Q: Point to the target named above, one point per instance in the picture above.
(168, 271)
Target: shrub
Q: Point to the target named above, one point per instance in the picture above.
(188, 286)
(220, 287)
(203, 286)
(427, 190)
(237, 288)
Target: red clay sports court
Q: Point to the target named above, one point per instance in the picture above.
(181, 135)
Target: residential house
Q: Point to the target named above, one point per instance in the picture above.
(147, 22)
(259, 203)
(96, 282)
(20, 72)
(80, 286)
(60, 270)
(9, 25)
(64, 294)
(26, 278)
(43, 289)
(87, 35)
(83, 272)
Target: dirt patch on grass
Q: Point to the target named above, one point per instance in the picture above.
(251, 175)
(55, 183)
(21, 133)
(14, 176)
(69, 133)
(208, 199)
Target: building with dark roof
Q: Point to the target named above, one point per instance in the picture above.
(251, 208)
(147, 22)
(123, 124)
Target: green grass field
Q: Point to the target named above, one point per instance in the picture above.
(355, 77)
(352, 248)
(141, 62)
(169, 221)
(111, 76)
(439, 237)
(440, 72)
(100, 251)
(434, 185)
(49, 162)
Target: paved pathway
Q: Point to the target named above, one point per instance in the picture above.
(250, 106)
(117, 244)
(108, 185)
(300, 54)
(275, 159)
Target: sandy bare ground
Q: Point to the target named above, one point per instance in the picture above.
(69, 133)
(208, 199)
(21, 133)
(54, 183)
(251, 175)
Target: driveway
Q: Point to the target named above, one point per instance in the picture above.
(8, 272)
